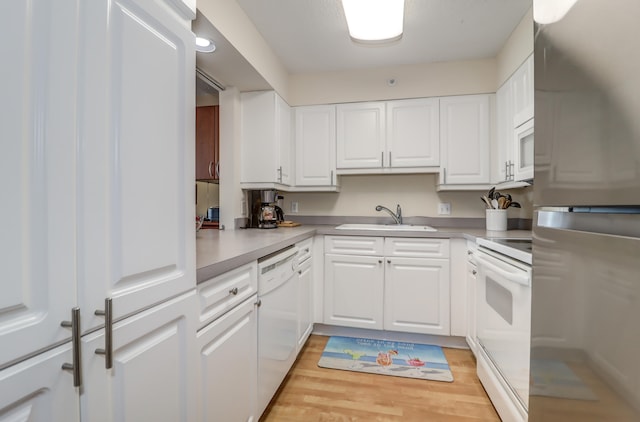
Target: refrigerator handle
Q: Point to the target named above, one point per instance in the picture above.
(572, 219)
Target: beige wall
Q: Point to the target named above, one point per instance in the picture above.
(516, 50)
(415, 193)
(414, 81)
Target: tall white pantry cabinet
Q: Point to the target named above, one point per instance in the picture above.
(96, 166)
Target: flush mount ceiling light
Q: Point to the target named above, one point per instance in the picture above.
(205, 45)
(550, 11)
(374, 21)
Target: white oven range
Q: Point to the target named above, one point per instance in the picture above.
(504, 323)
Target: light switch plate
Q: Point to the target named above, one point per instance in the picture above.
(444, 208)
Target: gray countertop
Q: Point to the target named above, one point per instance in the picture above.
(218, 251)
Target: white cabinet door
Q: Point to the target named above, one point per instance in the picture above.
(504, 122)
(315, 145)
(37, 169)
(305, 301)
(154, 360)
(354, 289)
(413, 133)
(136, 238)
(464, 136)
(522, 92)
(361, 135)
(265, 138)
(227, 366)
(416, 297)
(38, 390)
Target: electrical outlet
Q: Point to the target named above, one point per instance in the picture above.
(294, 207)
(444, 208)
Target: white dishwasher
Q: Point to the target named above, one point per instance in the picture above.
(277, 321)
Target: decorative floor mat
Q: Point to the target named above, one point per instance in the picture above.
(395, 358)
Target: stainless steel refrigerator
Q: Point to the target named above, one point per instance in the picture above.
(585, 322)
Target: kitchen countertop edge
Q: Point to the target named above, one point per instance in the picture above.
(222, 251)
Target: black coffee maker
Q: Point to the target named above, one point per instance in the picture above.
(265, 214)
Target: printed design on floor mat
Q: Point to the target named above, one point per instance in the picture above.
(553, 378)
(395, 358)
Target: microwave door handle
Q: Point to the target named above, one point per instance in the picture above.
(517, 278)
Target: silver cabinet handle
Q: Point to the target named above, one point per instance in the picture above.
(379, 261)
(331, 177)
(474, 272)
(108, 333)
(444, 175)
(382, 158)
(469, 252)
(76, 366)
(233, 291)
(390, 165)
(258, 303)
(217, 167)
(512, 175)
(306, 250)
(210, 164)
(300, 272)
(388, 261)
(506, 171)
(280, 174)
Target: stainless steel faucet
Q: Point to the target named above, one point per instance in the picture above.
(397, 217)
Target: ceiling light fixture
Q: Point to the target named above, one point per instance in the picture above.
(550, 11)
(205, 45)
(374, 21)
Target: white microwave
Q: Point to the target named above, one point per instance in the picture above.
(523, 168)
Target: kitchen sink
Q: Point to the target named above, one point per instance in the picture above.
(387, 227)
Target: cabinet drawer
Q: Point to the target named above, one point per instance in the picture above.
(221, 293)
(416, 247)
(354, 245)
(305, 249)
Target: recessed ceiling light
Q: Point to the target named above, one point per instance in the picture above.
(205, 45)
(374, 21)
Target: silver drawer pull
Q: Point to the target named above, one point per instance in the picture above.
(474, 272)
(233, 291)
(75, 367)
(108, 333)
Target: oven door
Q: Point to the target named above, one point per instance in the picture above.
(504, 318)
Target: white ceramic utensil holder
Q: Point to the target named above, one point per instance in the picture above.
(496, 220)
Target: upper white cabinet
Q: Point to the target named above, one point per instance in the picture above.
(315, 147)
(388, 137)
(504, 158)
(413, 133)
(522, 92)
(266, 147)
(464, 139)
(361, 135)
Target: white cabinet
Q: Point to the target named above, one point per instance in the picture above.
(266, 147)
(504, 162)
(413, 133)
(305, 291)
(399, 284)
(522, 92)
(360, 135)
(315, 147)
(388, 137)
(153, 375)
(92, 146)
(37, 390)
(354, 289)
(416, 297)
(464, 140)
(227, 366)
(472, 271)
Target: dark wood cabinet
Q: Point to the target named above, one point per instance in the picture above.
(207, 143)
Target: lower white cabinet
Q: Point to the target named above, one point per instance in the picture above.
(416, 295)
(354, 289)
(385, 290)
(472, 271)
(227, 366)
(153, 373)
(39, 390)
(305, 291)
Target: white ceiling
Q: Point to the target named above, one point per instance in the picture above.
(312, 35)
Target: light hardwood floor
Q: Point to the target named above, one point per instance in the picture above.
(310, 393)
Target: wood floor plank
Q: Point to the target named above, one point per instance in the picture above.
(314, 394)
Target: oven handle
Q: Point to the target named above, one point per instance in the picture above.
(517, 278)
